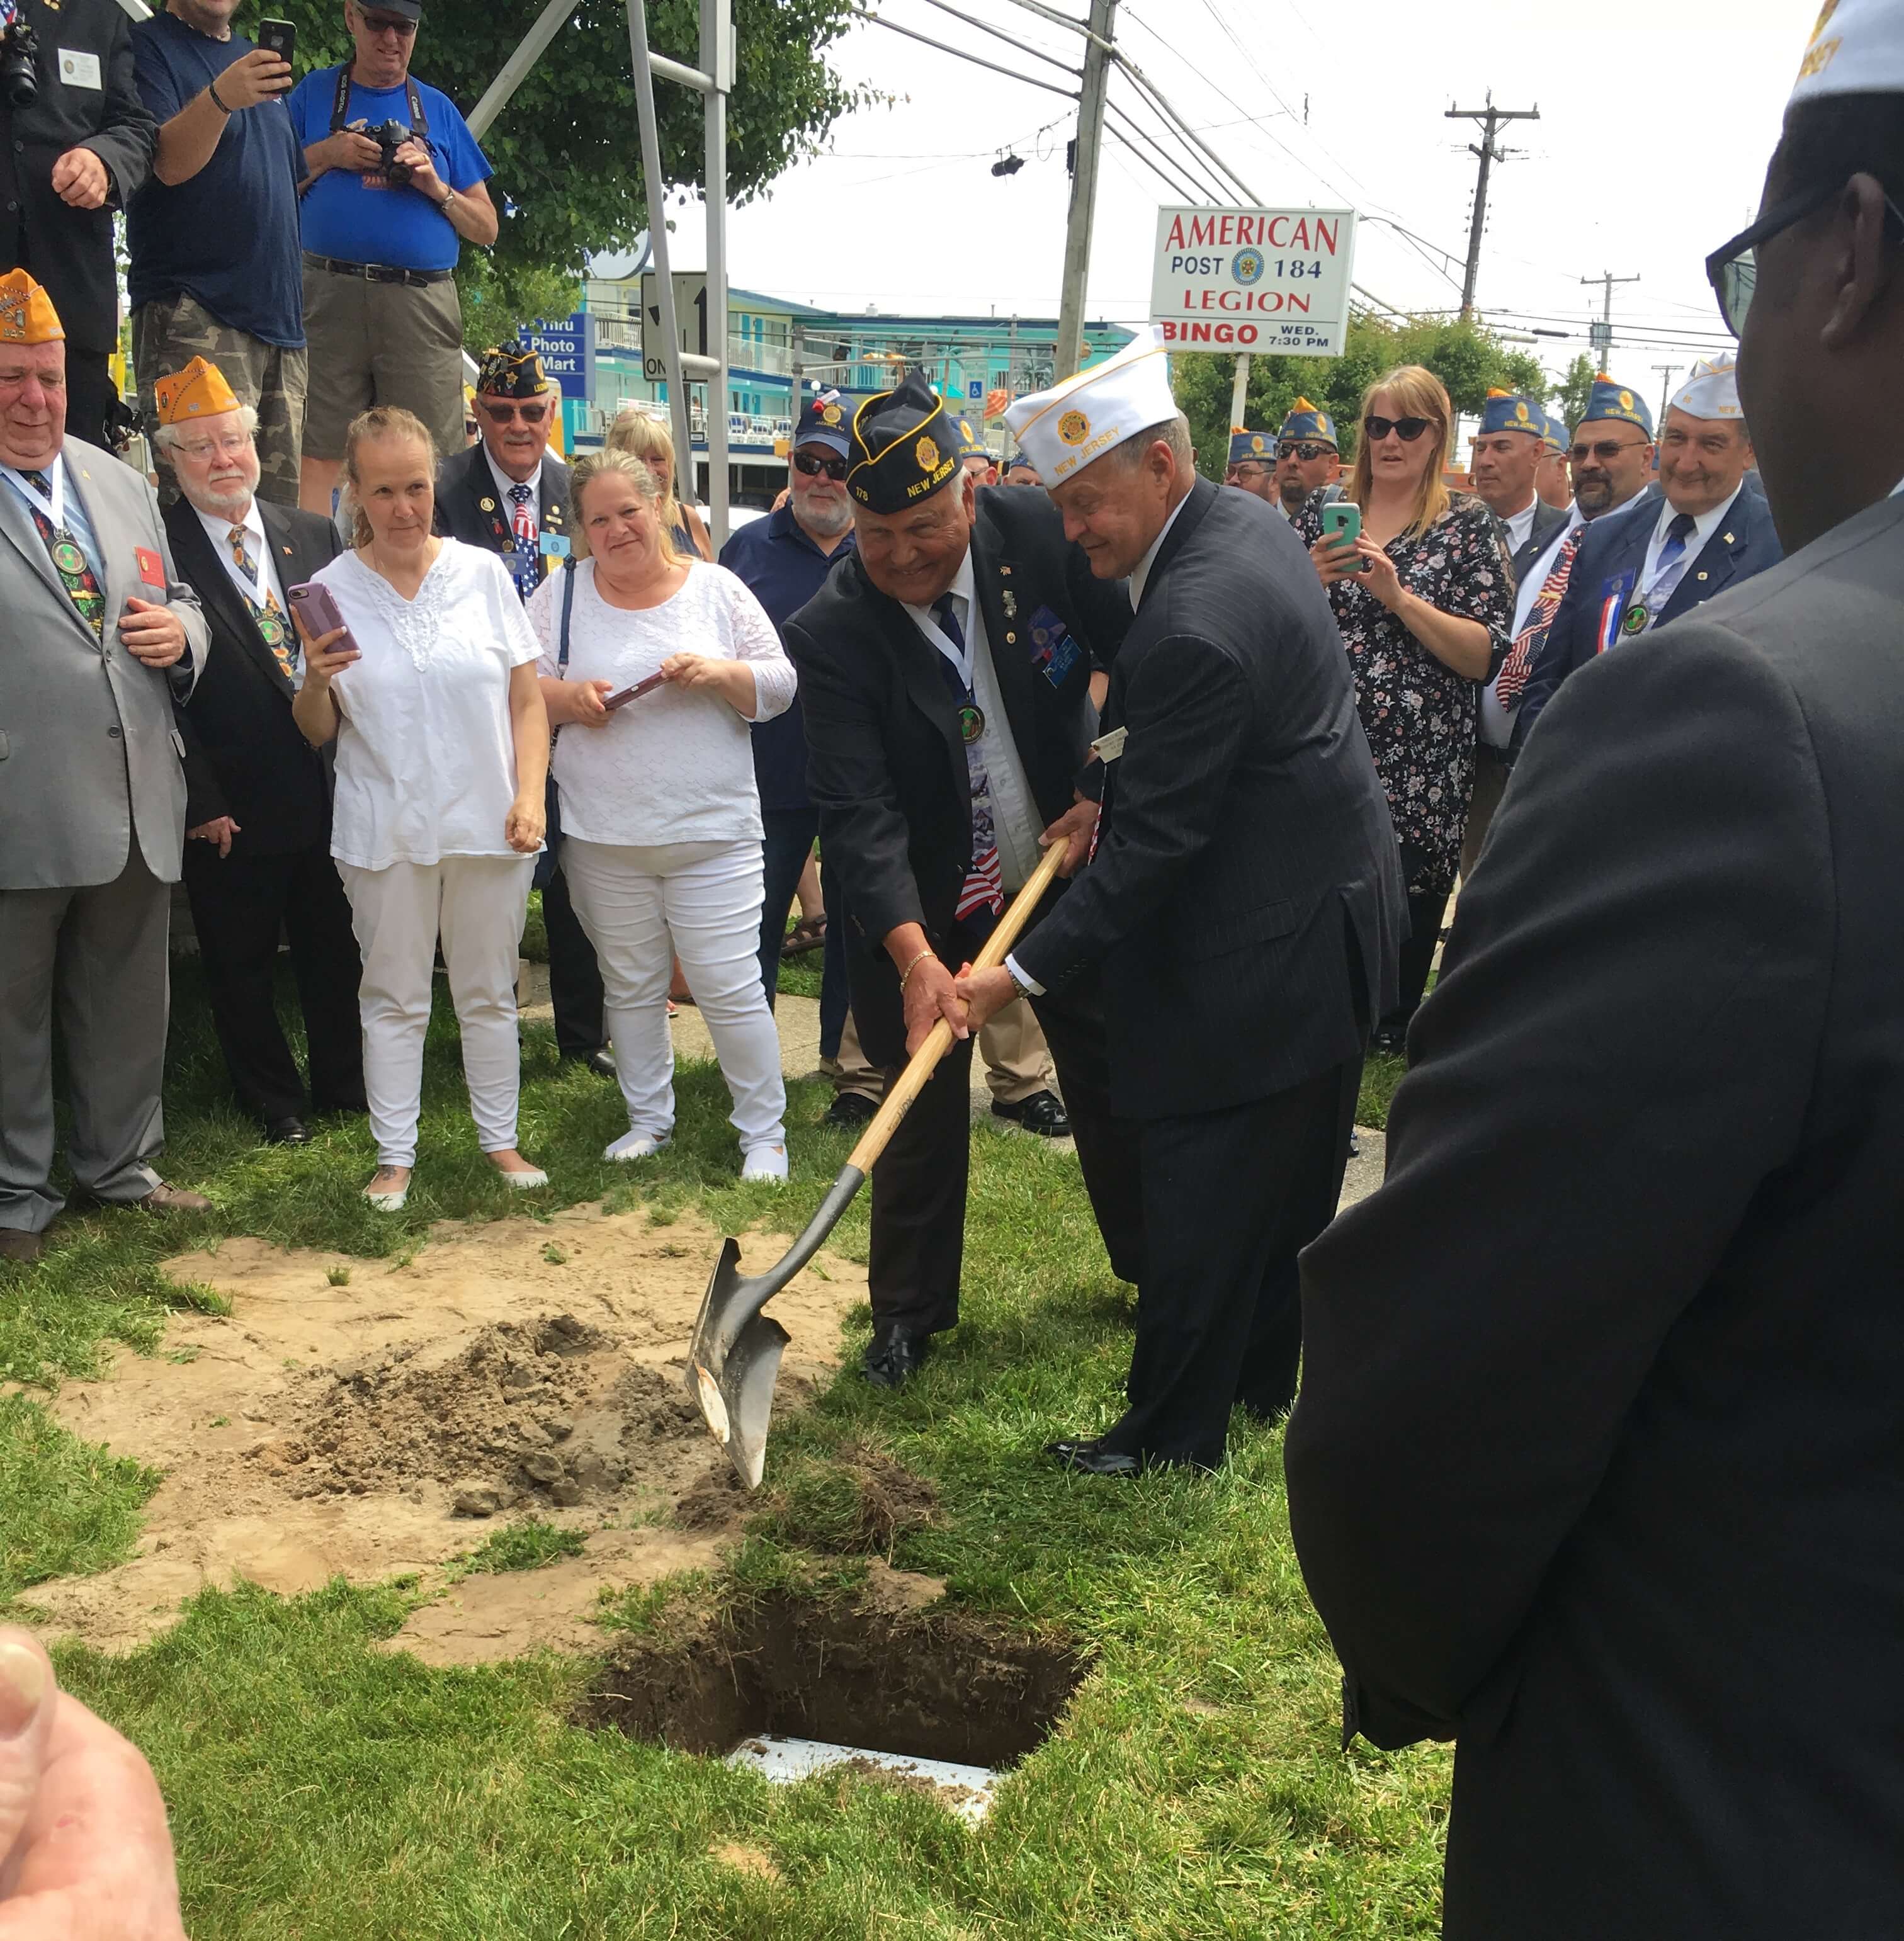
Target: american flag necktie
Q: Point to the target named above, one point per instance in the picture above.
(1533, 638)
(524, 566)
(983, 889)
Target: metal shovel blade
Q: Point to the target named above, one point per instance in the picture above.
(735, 1355)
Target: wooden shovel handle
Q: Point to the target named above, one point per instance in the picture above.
(911, 1082)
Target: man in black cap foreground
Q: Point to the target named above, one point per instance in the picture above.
(506, 493)
(1597, 1468)
(1245, 901)
(945, 671)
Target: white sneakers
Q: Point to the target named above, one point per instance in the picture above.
(764, 1162)
(633, 1145)
(524, 1182)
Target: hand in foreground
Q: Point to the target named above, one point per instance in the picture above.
(1378, 572)
(696, 671)
(154, 635)
(84, 1852)
(985, 993)
(349, 148)
(260, 76)
(220, 829)
(528, 816)
(585, 699)
(80, 179)
(1336, 559)
(423, 178)
(1074, 829)
(323, 658)
(929, 996)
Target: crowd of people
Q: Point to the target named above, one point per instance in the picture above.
(1594, 1444)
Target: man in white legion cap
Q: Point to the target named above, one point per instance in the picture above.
(1597, 1468)
(1241, 901)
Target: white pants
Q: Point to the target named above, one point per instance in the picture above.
(478, 905)
(706, 897)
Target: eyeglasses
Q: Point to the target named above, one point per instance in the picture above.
(1732, 269)
(811, 465)
(1308, 451)
(1407, 429)
(505, 413)
(386, 24)
(1606, 451)
(1246, 468)
(229, 446)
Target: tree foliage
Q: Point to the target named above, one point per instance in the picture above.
(1466, 359)
(1571, 397)
(567, 149)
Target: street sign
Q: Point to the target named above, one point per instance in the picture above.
(975, 387)
(1269, 281)
(690, 320)
(566, 347)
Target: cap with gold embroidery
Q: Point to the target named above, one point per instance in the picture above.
(26, 312)
(198, 391)
(1857, 47)
(905, 446)
(970, 445)
(1507, 411)
(1712, 391)
(1608, 399)
(826, 419)
(1248, 446)
(1309, 421)
(508, 371)
(1064, 429)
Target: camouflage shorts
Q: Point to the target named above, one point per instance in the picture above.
(169, 332)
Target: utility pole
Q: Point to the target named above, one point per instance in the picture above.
(1667, 372)
(1601, 334)
(1083, 188)
(1239, 395)
(1491, 119)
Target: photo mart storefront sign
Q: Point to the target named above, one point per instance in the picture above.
(1274, 281)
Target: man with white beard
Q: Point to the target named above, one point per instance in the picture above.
(257, 810)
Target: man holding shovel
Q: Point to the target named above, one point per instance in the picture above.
(945, 671)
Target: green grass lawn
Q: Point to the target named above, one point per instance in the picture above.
(322, 1788)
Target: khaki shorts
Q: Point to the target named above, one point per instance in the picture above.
(380, 344)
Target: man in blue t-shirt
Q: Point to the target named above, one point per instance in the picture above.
(229, 164)
(380, 243)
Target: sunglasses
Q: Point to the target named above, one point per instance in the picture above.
(1732, 269)
(532, 414)
(811, 465)
(1308, 452)
(1407, 429)
(1606, 451)
(384, 23)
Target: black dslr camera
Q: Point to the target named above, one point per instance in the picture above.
(390, 136)
(20, 80)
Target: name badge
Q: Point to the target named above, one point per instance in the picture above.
(77, 70)
(1054, 653)
(554, 545)
(151, 568)
(1108, 748)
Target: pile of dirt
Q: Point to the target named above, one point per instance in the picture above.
(351, 1417)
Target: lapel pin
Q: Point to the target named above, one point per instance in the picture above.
(1728, 539)
(1701, 575)
(1011, 604)
(488, 505)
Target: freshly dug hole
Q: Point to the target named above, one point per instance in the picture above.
(935, 1684)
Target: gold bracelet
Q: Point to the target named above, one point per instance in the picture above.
(911, 967)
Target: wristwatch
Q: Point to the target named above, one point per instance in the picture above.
(449, 196)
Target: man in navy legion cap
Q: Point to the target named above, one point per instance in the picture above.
(1308, 459)
(1252, 463)
(944, 675)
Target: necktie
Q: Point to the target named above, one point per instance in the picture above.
(69, 561)
(266, 613)
(1673, 560)
(983, 890)
(524, 567)
(1533, 638)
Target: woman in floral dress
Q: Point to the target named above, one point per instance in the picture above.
(1425, 600)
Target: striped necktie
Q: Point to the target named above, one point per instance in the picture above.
(1533, 638)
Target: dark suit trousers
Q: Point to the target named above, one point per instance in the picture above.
(238, 905)
(919, 1183)
(574, 977)
(1230, 1199)
(783, 850)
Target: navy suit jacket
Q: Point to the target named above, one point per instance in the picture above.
(1607, 569)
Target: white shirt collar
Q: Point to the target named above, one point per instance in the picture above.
(504, 481)
(217, 527)
(963, 590)
(1703, 526)
(1140, 576)
(1520, 524)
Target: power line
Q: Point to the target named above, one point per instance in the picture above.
(999, 33)
(963, 54)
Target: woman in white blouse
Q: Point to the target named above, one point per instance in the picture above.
(661, 819)
(442, 752)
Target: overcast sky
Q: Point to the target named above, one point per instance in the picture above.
(1657, 120)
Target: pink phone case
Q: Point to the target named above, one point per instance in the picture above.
(314, 605)
(633, 693)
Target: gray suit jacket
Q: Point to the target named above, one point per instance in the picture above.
(88, 752)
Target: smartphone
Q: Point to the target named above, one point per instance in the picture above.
(1341, 521)
(278, 37)
(633, 693)
(313, 604)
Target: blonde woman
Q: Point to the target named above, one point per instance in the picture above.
(442, 751)
(660, 817)
(1425, 600)
(645, 437)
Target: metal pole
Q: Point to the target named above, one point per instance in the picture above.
(655, 190)
(1084, 189)
(717, 58)
(496, 96)
(1667, 372)
(1238, 393)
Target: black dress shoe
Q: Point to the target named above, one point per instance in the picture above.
(894, 1357)
(850, 1109)
(1093, 1459)
(601, 1063)
(288, 1131)
(1043, 1113)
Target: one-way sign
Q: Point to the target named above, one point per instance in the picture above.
(690, 319)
